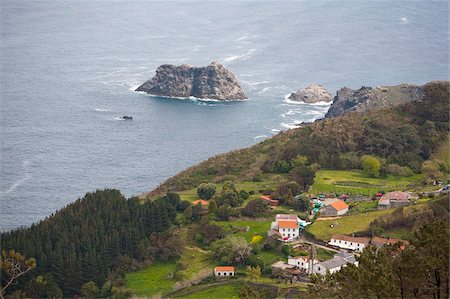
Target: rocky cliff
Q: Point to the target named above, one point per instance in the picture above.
(367, 98)
(312, 94)
(211, 82)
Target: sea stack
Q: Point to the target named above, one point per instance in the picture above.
(211, 82)
(312, 94)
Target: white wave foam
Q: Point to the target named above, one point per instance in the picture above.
(100, 110)
(260, 136)
(289, 126)
(404, 20)
(276, 130)
(22, 180)
(244, 56)
(322, 103)
(264, 90)
(191, 98)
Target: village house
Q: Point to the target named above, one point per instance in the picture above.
(339, 261)
(301, 262)
(336, 208)
(221, 271)
(348, 242)
(287, 226)
(380, 242)
(394, 199)
(272, 202)
(200, 201)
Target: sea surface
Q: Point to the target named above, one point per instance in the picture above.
(68, 69)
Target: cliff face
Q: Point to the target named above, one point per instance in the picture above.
(211, 82)
(367, 98)
(312, 94)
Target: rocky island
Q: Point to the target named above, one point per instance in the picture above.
(312, 94)
(368, 98)
(211, 82)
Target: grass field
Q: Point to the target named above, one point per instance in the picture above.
(152, 280)
(356, 183)
(442, 154)
(344, 225)
(269, 182)
(255, 227)
(195, 260)
(224, 291)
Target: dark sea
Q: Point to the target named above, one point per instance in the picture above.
(68, 70)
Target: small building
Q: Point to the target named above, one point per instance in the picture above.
(301, 262)
(339, 261)
(394, 199)
(200, 201)
(272, 202)
(336, 208)
(348, 242)
(288, 229)
(222, 271)
(380, 242)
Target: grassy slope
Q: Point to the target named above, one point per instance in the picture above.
(228, 290)
(346, 225)
(355, 182)
(255, 227)
(152, 280)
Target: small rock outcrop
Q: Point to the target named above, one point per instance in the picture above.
(368, 98)
(311, 94)
(211, 82)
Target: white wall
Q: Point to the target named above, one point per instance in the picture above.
(289, 232)
(342, 212)
(347, 245)
(222, 273)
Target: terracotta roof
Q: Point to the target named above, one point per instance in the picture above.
(201, 201)
(224, 268)
(265, 197)
(362, 240)
(339, 205)
(395, 195)
(287, 224)
(388, 241)
(305, 258)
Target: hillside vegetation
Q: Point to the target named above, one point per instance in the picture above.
(406, 136)
(104, 243)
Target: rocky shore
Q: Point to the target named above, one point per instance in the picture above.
(211, 82)
(312, 94)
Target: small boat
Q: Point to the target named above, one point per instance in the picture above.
(126, 117)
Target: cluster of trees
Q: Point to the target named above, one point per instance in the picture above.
(83, 241)
(435, 209)
(421, 270)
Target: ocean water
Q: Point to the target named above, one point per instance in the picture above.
(68, 69)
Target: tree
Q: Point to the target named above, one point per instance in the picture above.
(240, 248)
(223, 212)
(14, 265)
(206, 191)
(371, 165)
(255, 208)
(90, 290)
(253, 273)
(212, 207)
(430, 170)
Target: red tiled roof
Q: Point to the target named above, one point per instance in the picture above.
(287, 224)
(201, 201)
(362, 240)
(265, 197)
(388, 241)
(339, 205)
(395, 195)
(224, 268)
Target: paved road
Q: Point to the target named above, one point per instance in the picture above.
(304, 240)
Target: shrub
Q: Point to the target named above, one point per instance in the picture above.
(206, 191)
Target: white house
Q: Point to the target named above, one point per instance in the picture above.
(301, 261)
(339, 261)
(222, 271)
(288, 226)
(288, 229)
(347, 242)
